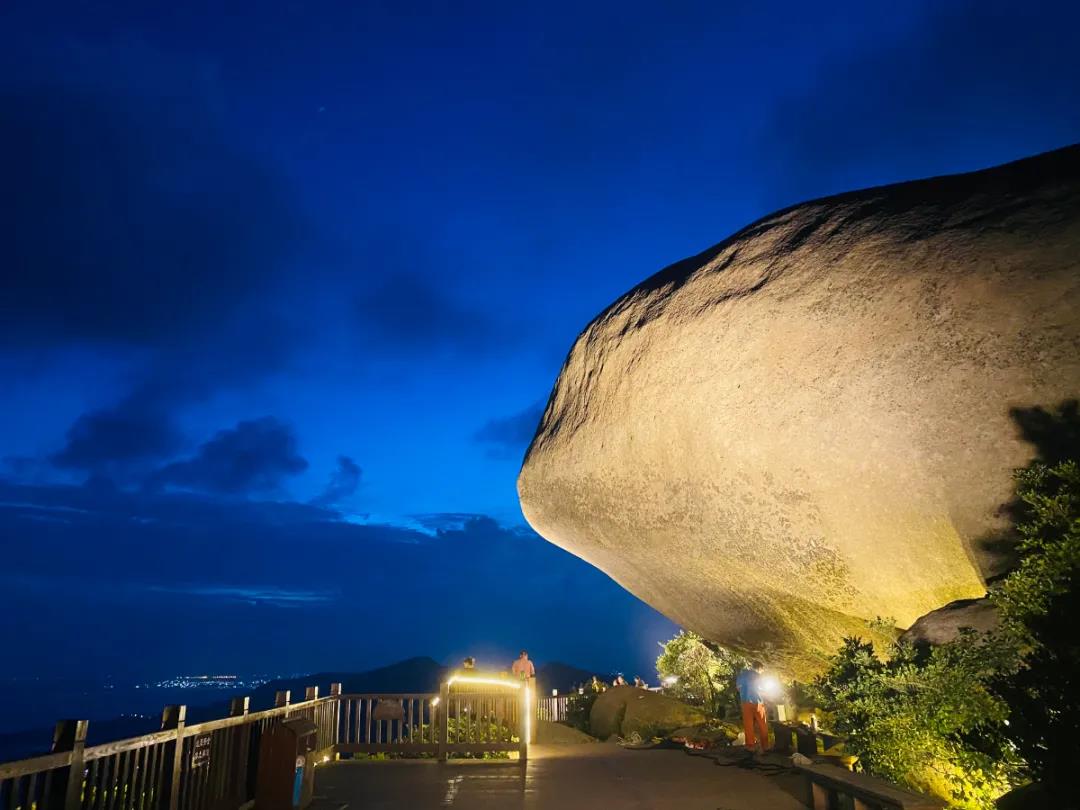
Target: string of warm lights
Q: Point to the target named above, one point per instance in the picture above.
(481, 681)
(485, 681)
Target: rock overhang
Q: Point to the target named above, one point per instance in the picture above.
(810, 425)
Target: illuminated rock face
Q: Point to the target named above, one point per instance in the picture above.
(808, 425)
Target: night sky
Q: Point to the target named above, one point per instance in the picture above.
(286, 285)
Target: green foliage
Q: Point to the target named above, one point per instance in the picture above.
(487, 729)
(923, 719)
(706, 674)
(969, 719)
(579, 708)
(1039, 604)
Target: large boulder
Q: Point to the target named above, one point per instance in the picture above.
(815, 422)
(625, 710)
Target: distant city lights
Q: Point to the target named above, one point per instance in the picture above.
(209, 682)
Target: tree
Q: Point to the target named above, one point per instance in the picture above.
(704, 674)
(1039, 605)
(925, 719)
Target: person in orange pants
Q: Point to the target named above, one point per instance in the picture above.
(755, 729)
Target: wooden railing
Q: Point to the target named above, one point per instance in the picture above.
(181, 767)
(553, 707)
(213, 765)
(382, 723)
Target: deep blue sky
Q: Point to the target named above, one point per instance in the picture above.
(285, 285)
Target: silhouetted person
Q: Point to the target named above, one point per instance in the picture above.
(619, 681)
(469, 663)
(755, 728)
(523, 668)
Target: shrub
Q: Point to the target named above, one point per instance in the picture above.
(1039, 605)
(925, 720)
(705, 673)
(579, 708)
(968, 719)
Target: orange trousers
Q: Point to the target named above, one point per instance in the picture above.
(754, 725)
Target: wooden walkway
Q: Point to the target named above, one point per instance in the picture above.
(558, 777)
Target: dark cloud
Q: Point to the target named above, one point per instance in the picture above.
(140, 227)
(412, 312)
(21, 467)
(223, 576)
(116, 440)
(276, 597)
(136, 220)
(444, 520)
(509, 436)
(343, 483)
(256, 456)
(933, 101)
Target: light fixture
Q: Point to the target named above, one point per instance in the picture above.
(528, 715)
(486, 681)
(769, 686)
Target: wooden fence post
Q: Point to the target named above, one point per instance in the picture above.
(526, 723)
(239, 707)
(311, 693)
(173, 717)
(281, 699)
(531, 699)
(444, 717)
(66, 793)
(335, 693)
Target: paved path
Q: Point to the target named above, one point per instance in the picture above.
(567, 777)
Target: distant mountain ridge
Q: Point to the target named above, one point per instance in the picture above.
(419, 674)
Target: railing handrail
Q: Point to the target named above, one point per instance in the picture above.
(43, 762)
(180, 732)
(47, 762)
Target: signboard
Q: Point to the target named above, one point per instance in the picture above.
(200, 751)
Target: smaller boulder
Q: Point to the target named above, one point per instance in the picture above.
(944, 624)
(627, 710)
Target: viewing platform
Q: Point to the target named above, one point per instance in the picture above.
(472, 744)
(594, 776)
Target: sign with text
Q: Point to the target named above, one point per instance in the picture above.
(200, 751)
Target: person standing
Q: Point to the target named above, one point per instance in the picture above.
(755, 729)
(523, 668)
